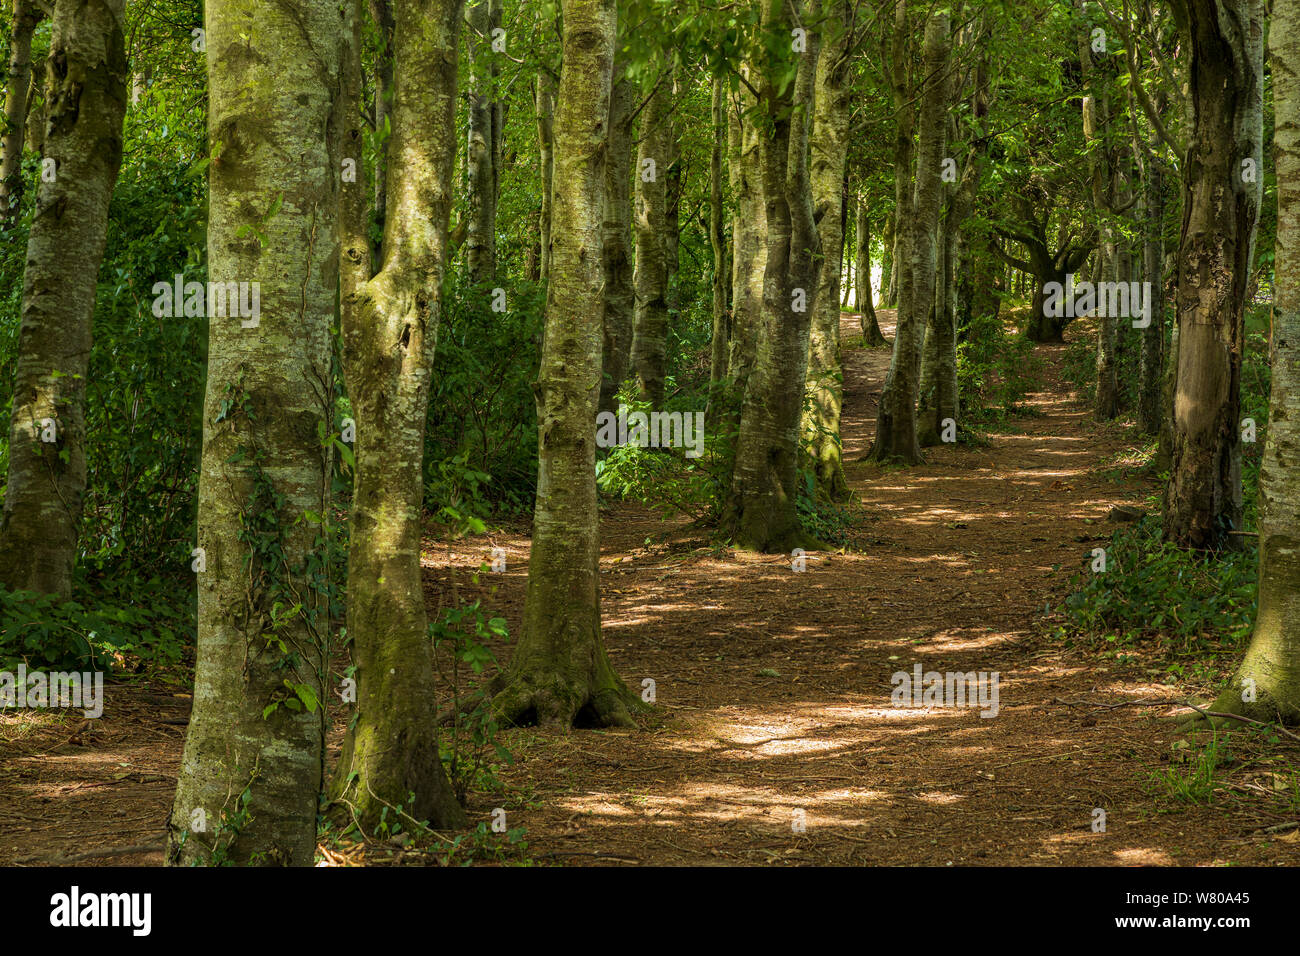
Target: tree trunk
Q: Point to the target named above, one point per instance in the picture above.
(480, 154)
(27, 16)
(86, 89)
(1220, 211)
(253, 758)
(829, 150)
(896, 436)
(748, 239)
(872, 337)
(1271, 667)
(381, 12)
(560, 674)
(620, 298)
(390, 326)
(544, 110)
(1153, 336)
(718, 243)
(650, 331)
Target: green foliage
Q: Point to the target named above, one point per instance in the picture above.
(481, 442)
(1195, 601)
(463, 633)
(1196, 783)
(996, 371)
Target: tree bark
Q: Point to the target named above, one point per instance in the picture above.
(650, 330)
(481, 152)
(27, 17)
(620, 296)
(718, 243)
(560, 674)
(381, 13)
(1220, 211)
(1271, 667)
(86, 89)
(829, 150)
(872, 337)
(390, 755)
(896, 435)
(254, 758)
(760, 512)
(544, 111)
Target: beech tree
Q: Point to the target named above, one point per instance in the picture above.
(1267, 684)
(390, 322)
(559, 672)
(1220, 209)
(655, 157)
(27, 16)
(252, 769)
(85, 89)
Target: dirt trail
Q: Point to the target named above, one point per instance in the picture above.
(953, 562)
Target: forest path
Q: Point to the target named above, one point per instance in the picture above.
(954, 562)
(951, 564)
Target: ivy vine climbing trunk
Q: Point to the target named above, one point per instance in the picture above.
(559, 673)
(390, 755)
(1220, 211)
(251, 772)
(86, 102)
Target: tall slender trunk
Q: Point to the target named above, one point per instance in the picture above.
(829, 150)
(896, 435)
(872, 337)
(560, 674)
(654, 159)
(86, 89)
(748, 236)
(620, 297)
(381, 13)
(481, 153)
(27, 16)
(760, 511)
(544, 111)
(1267, 684)
(252, 768)
(1220, 212)
(1153, 336)
(718, 244)
(390, 326)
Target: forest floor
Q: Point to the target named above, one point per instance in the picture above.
(773, 739)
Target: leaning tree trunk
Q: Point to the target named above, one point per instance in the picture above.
(896, 436)
(650, 330)
(27, 16)
(1267, 684)
(760, 513)
(1220, 210)
(390, 325)
(872, 337)
(86, 93)
(620, 298)
(829, 151)
(252, 768)
(560, 674)
(480, 154)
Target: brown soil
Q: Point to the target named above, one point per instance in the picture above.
(773, 689)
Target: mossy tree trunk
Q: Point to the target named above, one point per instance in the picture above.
(390, 755)
(27, 17)
(655, 158)
(1220, 212)
(760, 512)
(896, 434)
(829, 150)
(721, 336)
(616, 233)
(559, 673)
(481, 151)
(258, 721)
(86, 92)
